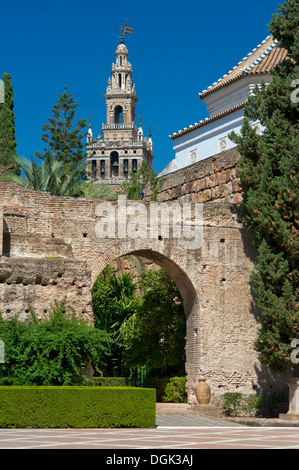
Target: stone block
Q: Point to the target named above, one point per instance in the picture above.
(237, 198)
(205, 195)
(236, 187)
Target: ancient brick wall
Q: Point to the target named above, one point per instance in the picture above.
(37, 282)
(52, 250)
(214, 179)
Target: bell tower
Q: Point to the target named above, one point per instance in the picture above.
(121, 146)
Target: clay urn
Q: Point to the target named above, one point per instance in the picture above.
(202, 391)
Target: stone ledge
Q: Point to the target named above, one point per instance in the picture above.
(172, 407)
(290, 416)
(206, 410)
(184, 408)
(264, 422)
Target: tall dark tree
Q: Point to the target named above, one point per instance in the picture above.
(8, 142)
(284, 27)
(64, 137)
(268, 170)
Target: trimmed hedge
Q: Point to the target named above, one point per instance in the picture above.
(77, 407)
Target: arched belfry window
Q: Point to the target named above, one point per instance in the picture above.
(114, 164)
(118, 115)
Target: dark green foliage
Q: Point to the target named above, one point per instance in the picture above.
(175, 390)
(64, 137)
(114, 302)
(7, 128)
(170, 390)
(51, 351)
(77, 407)
(285, 27)
(232, 402)
(155, 337)
(264, 405)
(146, 321)
(111, 381)
(268, 170)
(145, 177)
(57, 178)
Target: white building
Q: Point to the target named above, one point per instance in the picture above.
(225, 101)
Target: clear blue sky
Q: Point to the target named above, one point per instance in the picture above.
(177, 49)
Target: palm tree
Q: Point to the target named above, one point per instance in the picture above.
(57, 178)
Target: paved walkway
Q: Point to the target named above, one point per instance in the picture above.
(174, 432)
(160, 438)
(184, 419)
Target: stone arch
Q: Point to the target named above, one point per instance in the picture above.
(171, 262)
(114, 163)
(180, 265)
(118, 114)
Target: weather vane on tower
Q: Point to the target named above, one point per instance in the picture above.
(125, 29)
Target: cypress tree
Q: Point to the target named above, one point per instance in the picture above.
(8, 142)
(268, 170)
(64, 137)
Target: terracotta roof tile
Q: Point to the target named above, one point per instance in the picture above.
(197, 125)
(260, 61)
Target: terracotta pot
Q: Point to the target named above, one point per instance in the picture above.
(203, 392)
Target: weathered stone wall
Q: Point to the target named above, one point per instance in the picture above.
(213, 278)
(214, 179)
(35, 282)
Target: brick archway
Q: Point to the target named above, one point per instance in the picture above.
(51, 249)
(186, 278)
(173, 263)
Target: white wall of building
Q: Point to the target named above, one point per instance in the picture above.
(212, 138)
(205, 141)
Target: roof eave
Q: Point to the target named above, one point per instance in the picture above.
(198, 125)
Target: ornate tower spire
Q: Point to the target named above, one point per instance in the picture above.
(123, 146)
(121, 74)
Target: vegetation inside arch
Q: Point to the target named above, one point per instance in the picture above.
(146, 320)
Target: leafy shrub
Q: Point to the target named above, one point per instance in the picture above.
(111, 381)
(77, 407)
(50, 351)
(257, 404)
(266, 404)
(175, 390)
(232, 403)
(170, 390)
(146, 321)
